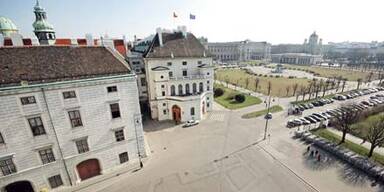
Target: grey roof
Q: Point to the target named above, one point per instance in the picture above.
(176, 45)
(41, 64)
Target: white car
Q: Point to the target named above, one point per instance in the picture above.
(191, 123)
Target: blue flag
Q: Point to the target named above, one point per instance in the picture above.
(193, 17)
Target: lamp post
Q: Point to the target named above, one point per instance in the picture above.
(137, 119)
(268, 109)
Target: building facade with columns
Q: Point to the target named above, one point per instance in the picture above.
(297, 58)
(179, 76)
(239, 51)
(69, 115)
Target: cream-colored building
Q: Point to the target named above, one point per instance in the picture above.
(179, 76)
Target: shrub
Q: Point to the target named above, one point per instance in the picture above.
(218, 92)
(260, 74)
(291, 77)
(240, 98)
(277, 76)
(265, 75)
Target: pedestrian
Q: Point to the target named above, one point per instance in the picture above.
(363, 141)
(308, 148)
(319, 158)
(311, 154)
(316, 152)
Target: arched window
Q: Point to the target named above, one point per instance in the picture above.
(192, 111)
(201, 88)
(187, 90)
(194, 87)
(173, 90)
(180, 89)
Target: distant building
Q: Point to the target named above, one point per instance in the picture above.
(296, 58)
(42, 28)
(239, 51)
(67, 114)
(178, 75)
(314, 46)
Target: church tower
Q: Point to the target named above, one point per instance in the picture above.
(42, 29)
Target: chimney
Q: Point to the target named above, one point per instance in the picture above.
(160, 35)
(89, 39)
(17, 39)
(1, 40)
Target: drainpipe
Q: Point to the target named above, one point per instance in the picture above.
(57, 139)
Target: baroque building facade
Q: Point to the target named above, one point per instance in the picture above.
(69, 115)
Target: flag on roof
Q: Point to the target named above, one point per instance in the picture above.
(174, 15)
(193, 17)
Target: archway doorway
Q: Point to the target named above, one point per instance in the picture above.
(176, 113)
(19, 186)
(88, 168)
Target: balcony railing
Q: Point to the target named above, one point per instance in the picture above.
(190, 77)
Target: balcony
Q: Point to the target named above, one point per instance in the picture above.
(189, 77)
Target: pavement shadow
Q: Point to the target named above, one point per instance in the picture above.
(152, 125)
(354, 176)
(312, 160)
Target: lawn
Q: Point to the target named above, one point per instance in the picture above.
(227, 99)
(361, 128)
(273, 109)
(330, 72)
(279, 84)
(328, 135)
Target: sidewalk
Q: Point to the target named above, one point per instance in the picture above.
(357, 140)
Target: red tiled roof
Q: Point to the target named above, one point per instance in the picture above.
(38, 64)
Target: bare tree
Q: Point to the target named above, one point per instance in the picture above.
(369, 77)
(287, 89)
(338, 83)
(257, 81)
(326, 86)
(294, 88)
(303, 91)
(375, 134)
(344, 121)
(226, 80)
(359, 81)
(318, 87)
(246, 82)
(343, 86)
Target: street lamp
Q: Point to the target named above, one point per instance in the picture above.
(267, 117)
(137, 119)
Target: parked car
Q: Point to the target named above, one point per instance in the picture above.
(310, 119)
(191, 123)
(315, 118)
(367, 103)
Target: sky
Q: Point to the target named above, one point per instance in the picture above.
(274, 21)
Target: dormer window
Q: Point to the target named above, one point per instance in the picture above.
(184, 63)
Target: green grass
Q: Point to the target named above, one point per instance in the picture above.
(227, 101)
(330, 72)
(278, 84)
(273, 109)
(359, 149)
(361, 128)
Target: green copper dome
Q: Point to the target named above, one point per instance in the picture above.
(43, 26)
(7, 27)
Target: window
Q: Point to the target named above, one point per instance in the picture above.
(112, 89)
(1, 139)
(199, 62)
(164, 112)
(28, 100)
(55, 181)
(201, 87)
(136, 62)
(162, 86)
(173, 90)
(187, 90)
(119, 135)
(123, 157)
(143, 82)
(169, 63)
(192, 111)
(82, 145)
(115, 110)
(164, 104)
(47, 156)
(7, 166)
(69, 94)
(170, 74)
(208, 88)
(194, 87)
(180, 89)
(75, 118)
(185, 73)
(163, 93)
(138, 70)
(207, 104)
(184, 63)
(37, 126)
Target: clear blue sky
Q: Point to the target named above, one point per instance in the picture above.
(276, 21)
